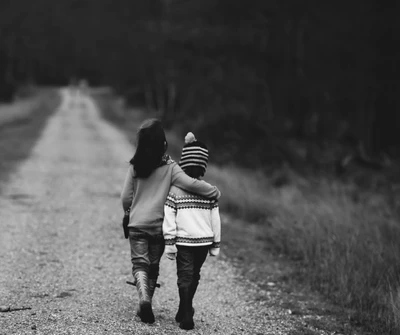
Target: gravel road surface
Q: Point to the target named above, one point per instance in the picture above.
(64, 256)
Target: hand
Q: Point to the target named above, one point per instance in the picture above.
(171, 252)
(213, 251)
(171, 255)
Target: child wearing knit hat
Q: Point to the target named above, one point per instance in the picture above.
(191, 228)
(148, 180)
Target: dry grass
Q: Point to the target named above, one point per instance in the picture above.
(18, 110)
(347, 241)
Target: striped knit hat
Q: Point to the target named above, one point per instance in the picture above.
(194, 153)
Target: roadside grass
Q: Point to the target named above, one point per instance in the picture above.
(347, 249)
(10, 113)
(344, 241)
(21, 123)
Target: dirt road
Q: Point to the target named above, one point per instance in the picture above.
(63, 253)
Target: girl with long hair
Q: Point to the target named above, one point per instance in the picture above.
(147, 183)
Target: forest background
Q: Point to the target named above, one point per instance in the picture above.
(294, 91)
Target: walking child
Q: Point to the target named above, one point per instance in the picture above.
(149, 178)
(192, 229)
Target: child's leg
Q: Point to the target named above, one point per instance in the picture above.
(200, 255)
(156, 250)
(185, 267)
(139, 242)
(139, 251)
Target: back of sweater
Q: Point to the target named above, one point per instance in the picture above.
(145, 197)
(191, 220)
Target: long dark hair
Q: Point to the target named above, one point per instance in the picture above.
(151, 146)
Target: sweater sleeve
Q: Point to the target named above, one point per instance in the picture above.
(200, 187)
(169, 224)
(128, 190)
(216, 227)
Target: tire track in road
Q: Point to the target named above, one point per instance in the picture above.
(64, 255)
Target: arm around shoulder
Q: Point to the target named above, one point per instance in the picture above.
(200, 187)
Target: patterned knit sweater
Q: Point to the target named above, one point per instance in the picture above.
(191, 220)
(145, 197)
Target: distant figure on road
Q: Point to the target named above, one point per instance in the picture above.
(192, 229)
(144, 193)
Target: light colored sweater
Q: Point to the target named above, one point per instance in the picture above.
(191, 220)
(145, 197)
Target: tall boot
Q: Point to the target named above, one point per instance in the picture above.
(179, 314)
(187, 315)
(145, 309)
(152, 287)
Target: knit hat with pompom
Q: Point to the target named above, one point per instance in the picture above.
(194, 153)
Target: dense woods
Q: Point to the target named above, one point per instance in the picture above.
(262, 73)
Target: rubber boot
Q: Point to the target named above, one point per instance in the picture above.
(138, 306)
(187, 314)
(145, 310)
(179, 314)
(152, 287)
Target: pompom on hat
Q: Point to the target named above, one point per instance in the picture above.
(194, 153)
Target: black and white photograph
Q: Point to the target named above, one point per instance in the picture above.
(199, 167)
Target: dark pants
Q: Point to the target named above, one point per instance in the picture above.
(146, 251)
(189, 262)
